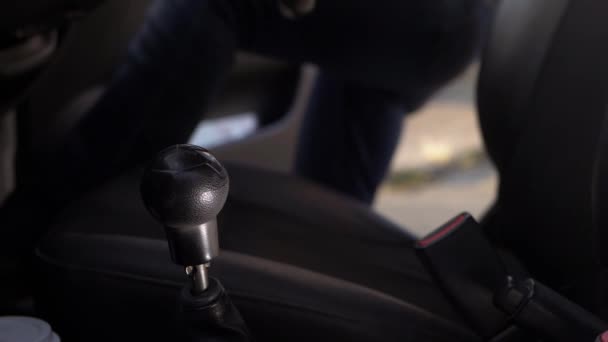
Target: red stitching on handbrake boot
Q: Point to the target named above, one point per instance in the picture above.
(438, 235)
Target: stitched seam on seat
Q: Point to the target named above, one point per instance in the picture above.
(177, 285)
(169, 283)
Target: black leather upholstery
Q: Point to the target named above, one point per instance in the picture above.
(543, 130)
(512, 63)
(293, 225)
(120, 297)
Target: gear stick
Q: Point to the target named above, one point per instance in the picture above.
(185, 188)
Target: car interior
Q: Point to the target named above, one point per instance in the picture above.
(299, 262)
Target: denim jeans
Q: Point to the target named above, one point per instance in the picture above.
(379, 59)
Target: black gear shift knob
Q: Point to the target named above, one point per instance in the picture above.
(185, 188)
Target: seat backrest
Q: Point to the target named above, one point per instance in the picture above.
(542, 101)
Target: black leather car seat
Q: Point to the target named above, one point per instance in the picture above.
(284, 241)
(541, 95)
(542, 102)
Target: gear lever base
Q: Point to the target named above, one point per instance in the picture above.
(210, 315)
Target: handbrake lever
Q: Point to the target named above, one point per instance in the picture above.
(468, 270)
(496, 302)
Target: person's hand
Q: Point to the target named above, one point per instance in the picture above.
(296, 8)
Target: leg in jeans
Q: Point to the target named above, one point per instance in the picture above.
(174, 66)
(351, 130)
(400, 50)
(348, 137)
